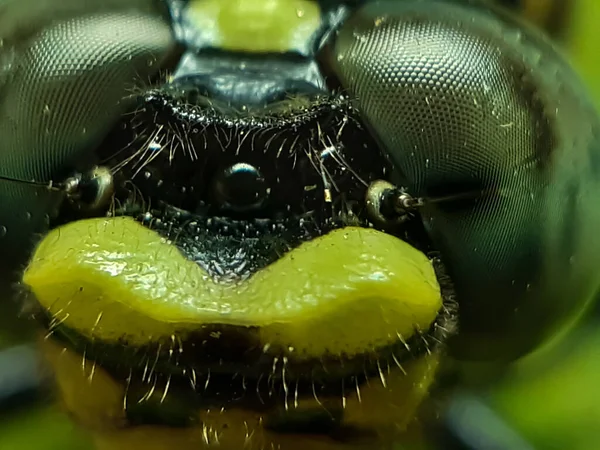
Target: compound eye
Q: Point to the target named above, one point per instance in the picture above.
(66, 70)
(473, 106)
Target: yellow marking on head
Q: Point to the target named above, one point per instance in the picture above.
(347, 292)
(256, 25)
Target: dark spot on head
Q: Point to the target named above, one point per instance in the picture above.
(240, 187)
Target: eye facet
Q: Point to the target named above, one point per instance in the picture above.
(467, 104)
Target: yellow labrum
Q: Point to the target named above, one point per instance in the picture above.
(349, 291)
(256, 25)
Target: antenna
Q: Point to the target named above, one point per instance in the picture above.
(403, 202)
(471, 195)
(48, 185)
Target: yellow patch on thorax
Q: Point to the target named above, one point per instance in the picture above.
(256, 26)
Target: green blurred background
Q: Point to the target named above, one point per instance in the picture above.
(550, 400)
